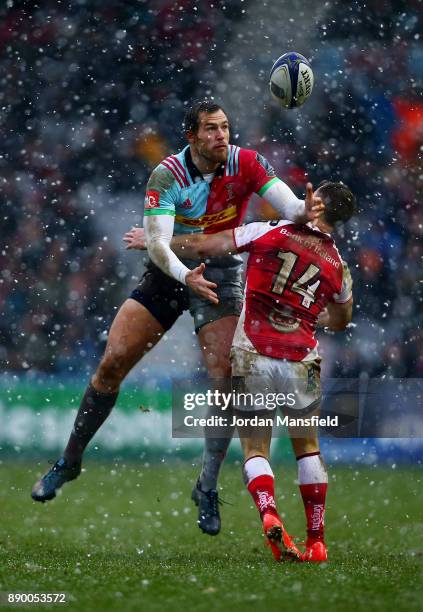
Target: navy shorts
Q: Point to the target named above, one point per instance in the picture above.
(166, 299)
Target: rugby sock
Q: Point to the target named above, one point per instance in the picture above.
(216, 443)
(313, 481)
(260, 482)
(94, 409)
(213, 457)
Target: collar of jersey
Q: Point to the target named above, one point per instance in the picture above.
(315, 229)
(194, 171)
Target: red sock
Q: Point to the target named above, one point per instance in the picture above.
(262, 489)
(314, 498)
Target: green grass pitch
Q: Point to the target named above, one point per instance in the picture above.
(124, 537)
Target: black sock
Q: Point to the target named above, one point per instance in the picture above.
(94, 409)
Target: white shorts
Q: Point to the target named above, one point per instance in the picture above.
(264, 383)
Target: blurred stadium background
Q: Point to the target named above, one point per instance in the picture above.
(92, 98)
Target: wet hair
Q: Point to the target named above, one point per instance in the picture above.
(340, 203)
(192, 116)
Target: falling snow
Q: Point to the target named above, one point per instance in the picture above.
(93, 96)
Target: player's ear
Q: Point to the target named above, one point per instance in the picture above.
(189, 135)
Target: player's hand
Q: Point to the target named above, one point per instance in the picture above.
(202, 287)
(314, 206)
(135, 238)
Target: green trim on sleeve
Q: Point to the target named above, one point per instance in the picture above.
(159, 211)
(267, 185)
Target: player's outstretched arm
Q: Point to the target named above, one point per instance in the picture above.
(158, 234)
(193, 246)
(288, 206)
(197, 246)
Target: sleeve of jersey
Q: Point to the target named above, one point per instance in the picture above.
(158, 233)
(346, 290)
(268, 186)
(160, 197)
(244, 235)
(260, 173)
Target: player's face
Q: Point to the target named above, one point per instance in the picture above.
(321, 223)
(212, 137)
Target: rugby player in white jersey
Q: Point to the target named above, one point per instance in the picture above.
(295, 278)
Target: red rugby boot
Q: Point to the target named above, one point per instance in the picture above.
(316, 551)
(281, 544)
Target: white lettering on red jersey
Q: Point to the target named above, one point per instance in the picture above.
(293, 272)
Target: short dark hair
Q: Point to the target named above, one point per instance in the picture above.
(340, 203)
(192, 116)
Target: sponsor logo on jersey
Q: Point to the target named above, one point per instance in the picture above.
(312, 243)
(211, 219)
(152, 199)
(230, 189)
(283, 322)
(187, 204)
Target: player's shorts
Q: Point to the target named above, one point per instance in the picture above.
(226, 272)
(265, 383)
(166, 299)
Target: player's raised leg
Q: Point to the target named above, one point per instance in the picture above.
(260, 482)
(313, 482)
(133, 332)
(215, 340)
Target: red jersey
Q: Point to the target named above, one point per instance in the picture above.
(293, 271)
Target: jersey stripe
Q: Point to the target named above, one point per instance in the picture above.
(232, 165)
(230, 161)
(172, 161)
(266, 186)
(173, 171)
(236, 160)
(182, 170)
(159, 211)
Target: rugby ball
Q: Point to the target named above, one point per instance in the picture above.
(291, 80)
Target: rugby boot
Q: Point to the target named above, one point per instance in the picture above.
(208, 509)
(45, 489)
(281, 544)
(316, 551)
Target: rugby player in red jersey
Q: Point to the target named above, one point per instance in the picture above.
(295, 279)
(203, 188)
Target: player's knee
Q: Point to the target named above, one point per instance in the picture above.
(218, 366)
(112, 369)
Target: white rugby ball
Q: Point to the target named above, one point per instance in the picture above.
(291, 80)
